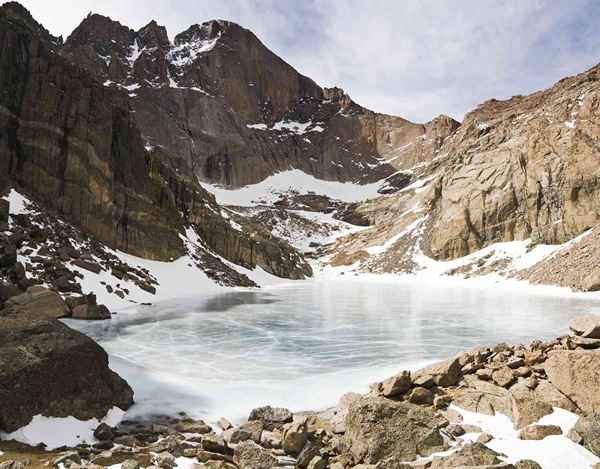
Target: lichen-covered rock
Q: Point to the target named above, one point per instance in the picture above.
(249, 455)
(378, 428)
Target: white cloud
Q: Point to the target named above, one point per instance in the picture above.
(415, 58)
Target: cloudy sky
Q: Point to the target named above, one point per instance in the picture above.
(414, 58)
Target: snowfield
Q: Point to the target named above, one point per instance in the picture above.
(269, 191)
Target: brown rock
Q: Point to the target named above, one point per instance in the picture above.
(474, 454)
(295, 437)
(378, 428)
(41, 302)
(503, 377)
(396, 385)
(420, 395)
(526, 407)
(587, 325)
(539, 432)
(576, 374)
(446, 373)
(250, 455)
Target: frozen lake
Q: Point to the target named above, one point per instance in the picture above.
(303, 345)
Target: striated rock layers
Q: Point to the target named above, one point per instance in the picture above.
(74, 145)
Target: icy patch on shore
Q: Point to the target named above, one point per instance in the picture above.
(270, 190)
(55, 432)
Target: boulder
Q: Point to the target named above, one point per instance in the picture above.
(526, 407)
(378, 428)
(474, 454)
(503, 377)
(586, 325)
(396, 385)
(247, 431)
(250, 455)
(446, 373)
(193, 426)
(90, 312)
(546, 392)
(216, 444)
(40, 301)
(271, 417)
(588, 430)
(47, 368)
(103, 432)
(295, 437)
(576, 374)
(420, 395)
(341, 410)
(483, 397)
(539, 432)
(87, 265)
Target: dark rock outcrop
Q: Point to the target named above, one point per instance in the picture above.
(47, 368)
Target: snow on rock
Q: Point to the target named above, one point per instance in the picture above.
(270, 190)
(178, 278)
(17, 202)
(55, 432)
(187, 52)
(298, 128)
(553, 452)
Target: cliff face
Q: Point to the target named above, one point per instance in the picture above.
(237, 113)
(526, 167)
(74, 145)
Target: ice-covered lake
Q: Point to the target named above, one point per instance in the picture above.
(305, 344)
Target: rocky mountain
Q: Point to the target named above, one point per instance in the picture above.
(74, 145)
(115, 130)
(521, 169)
(237, 113)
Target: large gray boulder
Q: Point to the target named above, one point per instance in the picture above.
(378, 428)
(47, 368)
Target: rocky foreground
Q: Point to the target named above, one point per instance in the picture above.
(410, 420)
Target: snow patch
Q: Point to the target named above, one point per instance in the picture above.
(188, 52)
(55, 432)
(294, 180)
(552, 452)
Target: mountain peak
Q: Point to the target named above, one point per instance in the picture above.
(154, 35)
(101, 32)
(17, 12)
